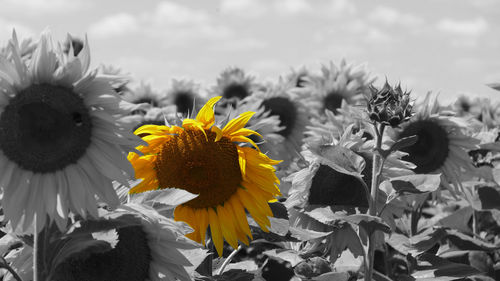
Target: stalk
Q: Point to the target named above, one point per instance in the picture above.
(376, 171)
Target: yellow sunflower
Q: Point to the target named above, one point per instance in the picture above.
(204, 159)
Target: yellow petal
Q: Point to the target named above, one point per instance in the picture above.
(227, 226)
(202, 218)
(218, 132)
(235, 124)
(245, 139)
(216, 231)
(239, 212)
(151, 130)
(206, 113)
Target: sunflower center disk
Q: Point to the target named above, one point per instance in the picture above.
(333, 101)
(45, 128)
(129, 260)
(431, 150)
(184, 102)
(286, 111)
(235, 91)
(191, 162)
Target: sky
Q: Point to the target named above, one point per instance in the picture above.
(451, 47)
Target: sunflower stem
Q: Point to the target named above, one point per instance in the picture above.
(10, 269)
(377, 163)
(35, 250)
(228, 260)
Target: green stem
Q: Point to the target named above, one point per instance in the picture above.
(10, 269)
(228, 260)
(376, 171)
(35, 249)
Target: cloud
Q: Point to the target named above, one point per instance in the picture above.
(251, 9)
(340, 8)
(472, 27)
(169, 23)
(41, 6)
(391, 16)
(243, 8)
(292, 7)
(240, 45)
(114, 25)
(176, 14)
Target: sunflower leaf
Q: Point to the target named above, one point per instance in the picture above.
(167, 198)
(431, 266)
(306, 234)
(288, 255)
(468, 243)
(412, 184)
(369, 223)
(402, 143)
(490, 197)
(342, 160)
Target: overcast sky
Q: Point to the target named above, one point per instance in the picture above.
(446, 46)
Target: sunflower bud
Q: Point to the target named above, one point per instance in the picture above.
(389, 106)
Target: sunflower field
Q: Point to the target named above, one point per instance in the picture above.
(320, 175)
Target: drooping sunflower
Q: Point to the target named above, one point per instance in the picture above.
(281, 101)
(443, 143)
(61, 142)
(184, 94)
(326, 181)
(234, 84)
(337, 84)
(147, 249)
(204, 159)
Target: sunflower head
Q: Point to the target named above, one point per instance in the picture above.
(234, 84)
(442, 143)
(204, 159)
(144, 94)
(184, 95)
(389, 105)
(62, 142)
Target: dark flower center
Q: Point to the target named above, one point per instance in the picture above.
(333, 101)
(431, 149)
(332, 188)
(191, 162)
(45, 128)
(128, 260)
(286, 111)
(236, 91)
(465, 105)
(184, 102)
